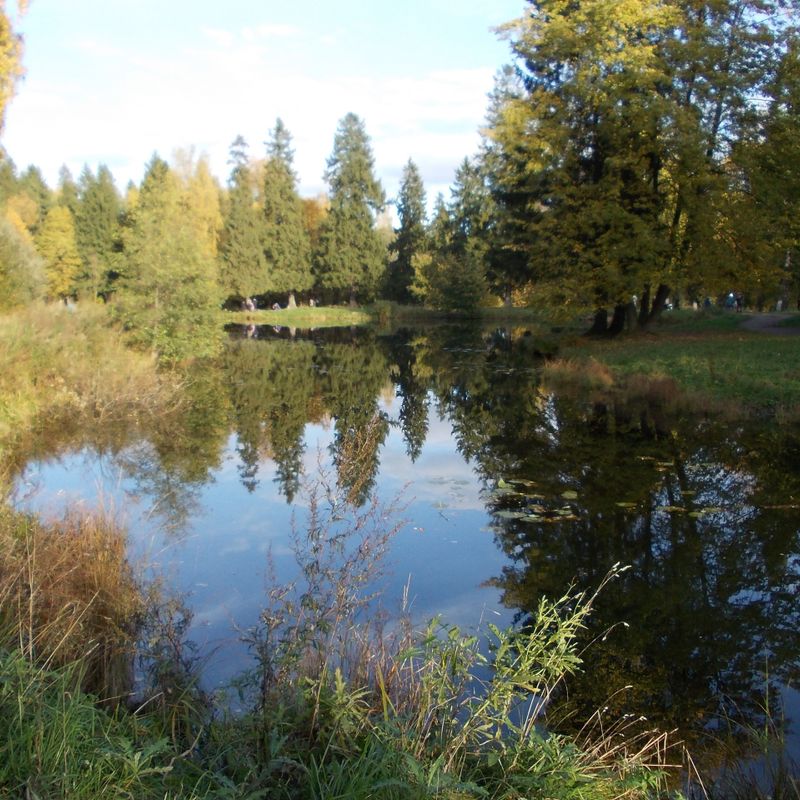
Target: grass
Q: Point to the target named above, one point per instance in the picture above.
(384, 314)
(705, 357)
(61, 369)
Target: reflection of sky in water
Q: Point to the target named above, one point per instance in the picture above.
(220, 560)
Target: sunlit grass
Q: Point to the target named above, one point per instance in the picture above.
(61, 367)
(709, 358)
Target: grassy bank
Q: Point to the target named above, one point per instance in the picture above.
(707, 356)
(385, 314)
(60, 369)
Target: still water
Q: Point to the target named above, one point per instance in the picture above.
(508, 489)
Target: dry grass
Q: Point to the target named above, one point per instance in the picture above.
(68, 594)
(56, 364)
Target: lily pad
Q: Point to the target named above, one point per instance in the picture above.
(626, 505)
(672, 509)
(569, 495)
(510, 514)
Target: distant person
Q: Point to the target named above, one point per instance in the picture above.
(739, 302)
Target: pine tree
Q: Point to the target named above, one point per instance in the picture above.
(59, 251)
(287, 247)
(168, 298)
(68, 191)
(411, 236)
(241, 255)
(351, 257)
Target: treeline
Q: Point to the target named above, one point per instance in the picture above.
(633, 152)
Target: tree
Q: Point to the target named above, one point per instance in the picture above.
(10, 58)
(609, 157)
(241, 255)
(411, 239)
(201, 195)
(452, 276)
(59, 251)
(287, 246)
(168, 298)
(98, 231)
(68, 193)
(351, 256)
(21, 268)
(33, 184)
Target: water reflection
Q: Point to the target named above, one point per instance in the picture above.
(705, 512)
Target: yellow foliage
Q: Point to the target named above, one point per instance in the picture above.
(19, 226)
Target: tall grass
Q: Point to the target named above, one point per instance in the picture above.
(69, 595)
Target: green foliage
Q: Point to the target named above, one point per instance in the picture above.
(21, 269)
(411, 235)
(352, 256)
(59, 251)
(287, 247)
(98, 231)
(241, 253)
(169, 297)
(33, 185)
(610, 153)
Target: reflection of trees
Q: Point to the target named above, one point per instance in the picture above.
(711, 592)
(351, 376)
(276, 385)
(412, 382)
(271, 384)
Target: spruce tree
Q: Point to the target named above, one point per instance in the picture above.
(411, 236)
(68, 191)
(352, 256)
(98, 231)
(241, 253)
(287, 247)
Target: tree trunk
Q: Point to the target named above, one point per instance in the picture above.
(600, 324)
(630, 317)
(617, 325)
(644, 308)
(292, 303)
(352, 297)
(659, 302)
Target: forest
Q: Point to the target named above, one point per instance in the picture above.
(633, 153)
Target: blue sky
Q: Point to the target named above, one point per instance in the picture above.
(112, 81)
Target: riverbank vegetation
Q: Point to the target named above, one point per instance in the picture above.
(336, 707)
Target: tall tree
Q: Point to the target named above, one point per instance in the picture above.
(351, 256)
(10, 58)
(202, 196)
(241, 255)
(21, 268)
(34, 186)
(59, 250)
(98, 231)
(609, 157)
(287, 246)
(169, 297)
(68, 193)
(411, 238)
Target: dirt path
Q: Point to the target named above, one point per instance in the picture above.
(770, 323)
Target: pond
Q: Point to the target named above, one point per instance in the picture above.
(509, 489)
